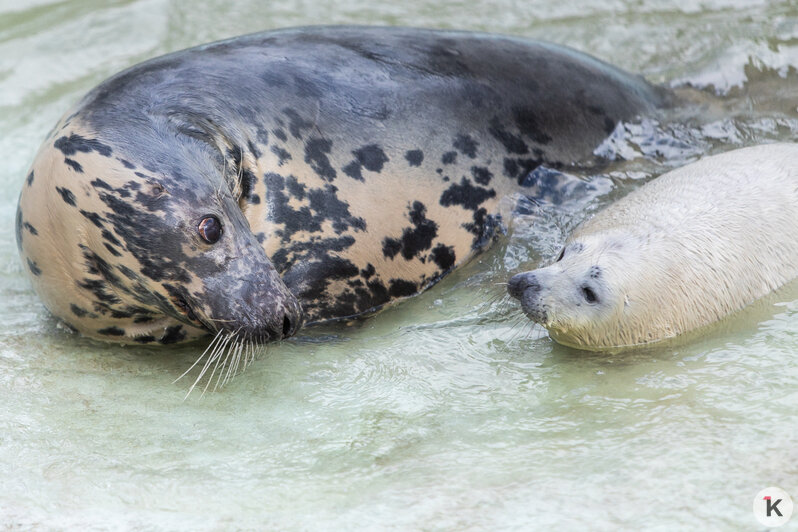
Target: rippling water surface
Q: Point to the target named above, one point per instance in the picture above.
(445, 412)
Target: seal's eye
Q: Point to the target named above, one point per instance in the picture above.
(210, 229)
(561, 255)
(590, 295)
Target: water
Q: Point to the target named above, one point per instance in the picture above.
(447, 411)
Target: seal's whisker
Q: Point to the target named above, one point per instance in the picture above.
(220, 336)
(229, 360)
(253, 351)
(218, 357)
(210, 345)
(241, 349)
(232, 365)
(514, 330)
(223, 360)
(239, 190)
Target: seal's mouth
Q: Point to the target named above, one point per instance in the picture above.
(285, 328)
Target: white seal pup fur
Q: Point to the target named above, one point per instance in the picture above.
(679, 253)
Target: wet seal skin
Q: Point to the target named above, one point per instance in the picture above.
(677, 254)
(297, 176)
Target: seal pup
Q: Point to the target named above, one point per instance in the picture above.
(681, 252)
(298, 175)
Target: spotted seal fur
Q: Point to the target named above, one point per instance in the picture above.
(298, 175)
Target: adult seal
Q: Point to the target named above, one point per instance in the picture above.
(677, 254)
(300, 175)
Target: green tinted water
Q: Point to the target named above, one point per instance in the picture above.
(448, 411)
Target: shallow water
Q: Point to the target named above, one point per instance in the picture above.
(448, 411)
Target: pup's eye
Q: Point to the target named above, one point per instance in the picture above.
(590, 295)
(561, 255)
(210, 229)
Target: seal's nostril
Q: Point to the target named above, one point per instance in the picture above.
(520, 283)
(286, 326)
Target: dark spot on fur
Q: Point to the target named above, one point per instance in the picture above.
(34, 268)
(107, 235)
(443, 256)
(29, 180)
(296, 124)
(313, 249)
(316, 151)
(280, 134)
(66, 195)
(311, 279)
(391, 247)
(77, 311)
(74, 165)
(173, 335)
(466, 195)
(414, 240)
(263, 136)
(281, 154)
(481, 175)
(99, 289)
(511, 142)
(484, 227)
(75, 143)
(127, 272)
(466, 145)
(414, 157)
(112, 331)
(324, 205)
(519, 169)
(295, 188)
(112, 250)
(353, 170)
(401, 288)
(127, 164)
(253, 149)
(371, 157)
(93, 217)
(449, 157)
(148, 339)
(368, 271)
(32, 230)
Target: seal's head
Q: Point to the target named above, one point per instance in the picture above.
(136, 233)
(592, 296)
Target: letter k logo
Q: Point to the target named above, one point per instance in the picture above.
(772, 506)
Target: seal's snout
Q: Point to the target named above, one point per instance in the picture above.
(520, 283)
(526, 288)
(267, 312)
(290, 323)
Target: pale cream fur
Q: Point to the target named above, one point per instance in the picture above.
(681, 252)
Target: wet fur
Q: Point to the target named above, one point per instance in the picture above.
(681, 252)
(350, 167)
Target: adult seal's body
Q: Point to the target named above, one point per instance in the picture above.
(298, 175)
(681, 252)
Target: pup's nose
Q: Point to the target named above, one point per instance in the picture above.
(522, 282)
